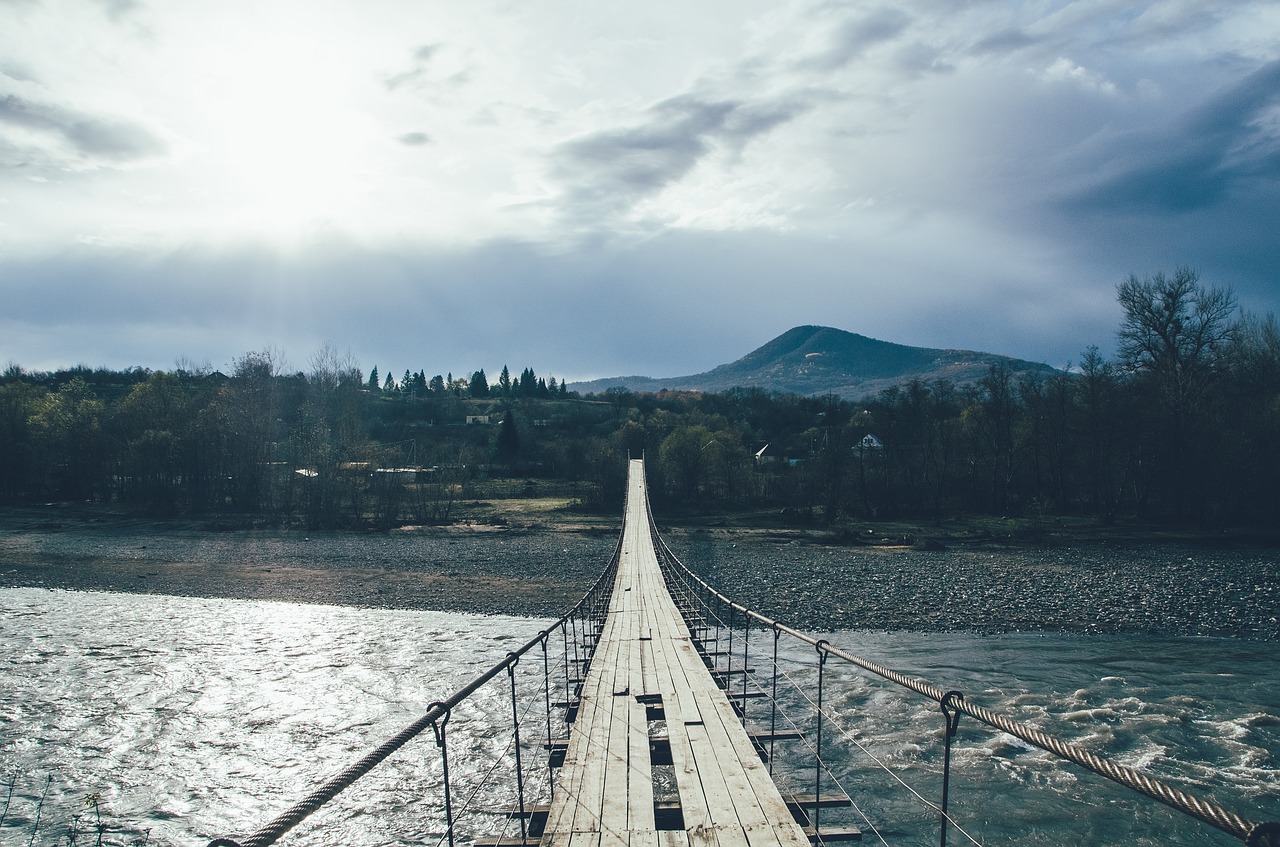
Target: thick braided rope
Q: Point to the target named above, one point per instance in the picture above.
(1208, 812)
(335, 784)
(1253, 833)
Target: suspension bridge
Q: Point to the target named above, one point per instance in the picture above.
(644, 735)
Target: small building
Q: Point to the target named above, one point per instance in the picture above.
(404, 474)
(870, 442)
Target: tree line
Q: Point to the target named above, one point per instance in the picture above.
(415, 384)
(1179, 427)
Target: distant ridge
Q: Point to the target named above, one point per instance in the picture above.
(818, 360)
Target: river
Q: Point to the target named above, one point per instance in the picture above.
(187, 718)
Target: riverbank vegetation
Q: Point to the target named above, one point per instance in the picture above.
(1179, 429)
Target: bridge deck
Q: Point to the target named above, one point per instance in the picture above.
(605, 793)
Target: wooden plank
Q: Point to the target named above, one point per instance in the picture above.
(728, 795)
(692, 801)
(640, 815)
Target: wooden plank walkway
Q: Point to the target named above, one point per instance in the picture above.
(605, 793)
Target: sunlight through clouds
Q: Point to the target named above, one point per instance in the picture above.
(399, 163)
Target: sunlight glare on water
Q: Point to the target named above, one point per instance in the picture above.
(198, 717)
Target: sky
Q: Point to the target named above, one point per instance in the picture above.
(598, 189)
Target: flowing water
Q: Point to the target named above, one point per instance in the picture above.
(190, 718)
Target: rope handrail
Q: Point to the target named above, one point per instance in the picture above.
(1252, 833)
(343, 779)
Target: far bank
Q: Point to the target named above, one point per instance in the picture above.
(897, 577)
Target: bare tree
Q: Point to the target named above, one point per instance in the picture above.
(1173, 339)
(1174, 329)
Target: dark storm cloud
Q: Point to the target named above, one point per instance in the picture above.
(1222, 148)
(617, 167)
(852, 38)
(91, 136)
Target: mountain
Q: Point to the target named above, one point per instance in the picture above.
(818, 360)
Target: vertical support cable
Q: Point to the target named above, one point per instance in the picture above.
(515, 728)
(578, 670)
(951, 715)
(746, 642)
(438, 729)
(568, 696)
(817, 768)
(544, 636)
(773, 715)
(715, 664)
(728, 673)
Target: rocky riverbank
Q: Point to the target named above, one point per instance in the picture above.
(1174, 588)
(1159, 588)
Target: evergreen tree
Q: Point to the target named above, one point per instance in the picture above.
(437, 385)
(504, 382)
(390, 384)
(528, 383)
(479, 384)
(373, 379)
(508, 446)
(406, 383)
(551, 385)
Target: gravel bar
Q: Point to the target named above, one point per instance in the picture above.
(1169, 589)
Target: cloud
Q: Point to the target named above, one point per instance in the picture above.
(1005, 41)
(757, 167)
(612, 169)
(93, 138)
(425, 52)
(1065, 70)
(416, 74)
(118, 9)
(1229, 144)
(696, 300)
(855, 36)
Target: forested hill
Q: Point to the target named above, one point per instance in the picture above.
(819, 360)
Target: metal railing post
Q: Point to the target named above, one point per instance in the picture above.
(515, 726)
(817, 750)
(952, 717)
(442, 742)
